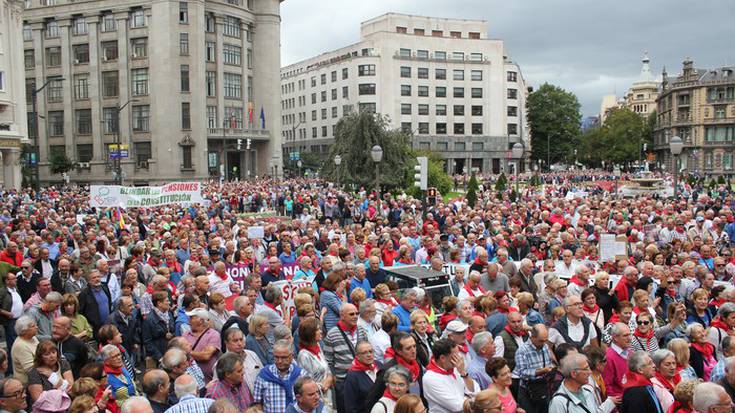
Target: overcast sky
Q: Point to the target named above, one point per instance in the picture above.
(589, 47)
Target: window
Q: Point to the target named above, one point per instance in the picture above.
(141, 118)
(184, 78)
(29, 58)
(83, 121)
(346, 72)
(52, 29)
(458, 74)
(250, 88)
(512, 129)
(406, 127)
(423, 91)
(455, 35)
(30, 85)
(405, 108)
(512, 111)
(53, 56)
(313, 81)
(212, 117)
(109, 84)
(366, 89)
(418, 32)
(109, 120)
(323, 96)
(324, 131)
(476, 92)
(27, 32)
(422, 72)
(400, 29)
(323, 79)
(186, 157)
(211, 51)
(441, 110)
(210, 23)
(458, 110)
(512, 93)
(458, 92)
(404, 52)
(437, 33)
(334, 94)
(81, 53)
(476, 75)
(441, 92)
(369, 107)
(233, 85)
(423, 128)
(423, 109)
(185, 115)
(79, 26)
(84, 152)
(109, 50)
(137, 18)
(477, 130)
(54, 90)
(474, 35)
(476, 57)
(440, 55)
(211, 82)
(140, 47)
(56, 150)
(56, 123)
(333, 75)
(109, 24)
(460, 146)
(313, 132)
(313, 98)
(334, 112)
(459, 128)
(313, 115)
(183, 13)
(405, 71)
(231, 27)
(81, 86)
(405, 90)
(184, 44)
(366, 70)
(441, 128)
(458, 55)
(512, 76)
(142, 152)
(476, 110)
(422, 54)
(139, 80)
(440, 74)
(232, 54)
(345, 92)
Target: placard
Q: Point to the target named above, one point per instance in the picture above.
(181, 193)
(256, 232)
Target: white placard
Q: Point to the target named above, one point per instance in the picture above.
(256, 232)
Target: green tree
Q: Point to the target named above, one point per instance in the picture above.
(619, 140)
(501, 183)
(60, 163)
(354, 137)
(554, 119)
(472, 188)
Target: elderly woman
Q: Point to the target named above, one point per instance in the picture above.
(603, 298)
(702, 354)
(680, 348)
(638, 392)
(721, 327)
(597, 361)
(641, 300)
(423, 336)
(666, 377)
(256, 341)
(80, 327)
(397, 380)
(331, 300)
(24, 348)
(118, 378)
(698, 313)
(669, 293)
(643, 335)
(591, 310)
(109, 334)
(218, 313)
(48, 372)
(622, 315)
(497, 368)
(311, 358)
(684, 396)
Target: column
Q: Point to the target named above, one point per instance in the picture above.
(67, 95)
(220, 90)
(39, 57)
(123, 78)
(98, 147)
(11, 168)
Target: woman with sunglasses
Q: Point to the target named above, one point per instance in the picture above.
(669, 293)
(643, 336)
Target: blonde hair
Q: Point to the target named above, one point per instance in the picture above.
(481, 402)
(416, 315)
(684, 391)
(639, 294)
(302, 298)
(525, 298)
(381, 289)
(699, 293)
(408, 404)
(256, 321)
(680, 348)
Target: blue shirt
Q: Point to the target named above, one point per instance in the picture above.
(287, 258)
(103, 303)
(476, 370)
(364, 284)
(404, 318)
(53, 250)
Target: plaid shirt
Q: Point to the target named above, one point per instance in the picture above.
(529, 358)
(191, 404)
(718, 372)
(239, 396)
(271, 396)
(196, 372)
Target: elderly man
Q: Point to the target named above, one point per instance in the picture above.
(639, 395)
(626, 286)
(156, 385)
(728, 380)
(235, 343)
(12, 396)
(43, 314)
(74, 350)
(220, 281)
(187, 392)
(158, 283)
(136, 404)
(339, 347)
(484, 347)
(403, 311)
(11, 307)
(573, 395)
(580, 281)
(711, 398)
(525, 274)
(243, 308)
(510, 339)
(533, 365)
(457, 332)
(75, 283)
(573, 328)
(274, 386)
(374, 273)
(127, 324)
(45, 266)
(472, 289)
(230, 384)
(95, 301)
(273, 299)
(567, 267)
(43, 287)
(367, 317)
(359, 281)
(617, 359)
(109, 279)
(360, 378)
(308, 397)
(494, 280)
(205, 341)
(274, 271)
(61, 275)
(174, 363)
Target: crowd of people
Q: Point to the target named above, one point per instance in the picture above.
(137, 311)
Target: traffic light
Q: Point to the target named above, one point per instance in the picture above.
(239, 144)
(421, 177)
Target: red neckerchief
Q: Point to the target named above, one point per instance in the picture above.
(412, 366)
(110, 370)
(513, 333)
(677, 407)
(271, 306)
(312, 349)
(637, 310)
(647, 336)
(717, 322)
(223, 278)
(577, 281)
(633, 379)
(670, 293)
(509, 310)
(389, 395)
(669, 385)
(591, 309)
(384, 301)
(342, 326)
(357, 365)
(464, 348)
(436, 369)
(707, 349)
(717, 302)
(472, 293)
(174, 265)
(445, 319)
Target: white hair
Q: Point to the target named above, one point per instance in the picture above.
(707, 395)
(135, 404)
(480, 340)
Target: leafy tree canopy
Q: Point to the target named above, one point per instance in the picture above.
(553, 113)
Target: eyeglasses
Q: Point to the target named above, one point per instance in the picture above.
(643, 323)
(397, 385)
(17, 395)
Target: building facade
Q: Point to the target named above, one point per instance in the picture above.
(444, 80)
(179, 81)
(13, 123)
(641, 97)
(699, 106)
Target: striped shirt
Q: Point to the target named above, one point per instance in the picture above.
(191, 404)
(339, 352)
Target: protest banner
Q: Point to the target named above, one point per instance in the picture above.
(239, 273)
(256, 232)
(289, 289)
(181, 193)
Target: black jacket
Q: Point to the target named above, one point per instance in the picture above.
(379, 388)
(88, 307)
(27, 288)
(423, 353)
(696, 360)
(356, 389)
(638, 399)
(57, 283)
(130, 331)
(6, 303)
(75, 352)
(154, 335)
(39, 267)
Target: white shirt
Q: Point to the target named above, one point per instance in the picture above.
(380, 342)
(17, 308)
(46, 269)
(565, 272)
(218, 285)
(444, 393)
(575, 331)
(463, 294)
(370, 328)
(113, 285)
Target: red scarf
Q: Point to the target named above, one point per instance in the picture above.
(717, 302)
(513, 333)
(357, 365)
(669, 385)
(509, 310)
(633, 379)
(579, 282)
(464, 348)
(312, 349)
(412, 366)
(346, 329)
(173, 265)
(707, 349)
(110, 370)
(384, 301)
(222, 277)
(472, 293)
(436, 369)
(389, 395)
(591, 310)
(717, 322)
(271, 306)
(647, 336)
(445, 319)
(637, 310)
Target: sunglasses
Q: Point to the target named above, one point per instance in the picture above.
(643, 323)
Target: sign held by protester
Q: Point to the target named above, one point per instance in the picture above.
(289, 289)
(181, 193)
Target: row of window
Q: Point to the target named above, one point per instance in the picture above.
(719, 133)
(141, 151)
(441, 91)
(140, 116)
(437, 33)
(423, 129)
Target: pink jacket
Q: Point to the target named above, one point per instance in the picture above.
(615, 369)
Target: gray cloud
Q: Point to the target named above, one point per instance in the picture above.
(591, 48)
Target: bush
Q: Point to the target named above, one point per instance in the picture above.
(501, 183)
(472, 187)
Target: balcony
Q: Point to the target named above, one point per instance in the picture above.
(682, 118)
(232, 133)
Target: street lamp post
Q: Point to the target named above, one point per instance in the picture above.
(118, 160)
(518, 155)
(299, 164)
(36, 147)
(377, 154)
(337, 163)
(676, 145)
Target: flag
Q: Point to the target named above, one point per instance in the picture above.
(262, 118)
(233, 121)
(122, 220)
(250, 113)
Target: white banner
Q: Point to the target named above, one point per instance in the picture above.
(182, 193)
(289, 289)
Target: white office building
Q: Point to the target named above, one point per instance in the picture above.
(444, 80)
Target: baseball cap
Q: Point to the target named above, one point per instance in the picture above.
(198, 312)
(456, 326)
